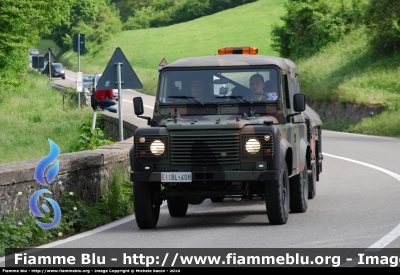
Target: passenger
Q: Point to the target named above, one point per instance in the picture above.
(256, 84)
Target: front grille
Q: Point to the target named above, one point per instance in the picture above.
(205, 149)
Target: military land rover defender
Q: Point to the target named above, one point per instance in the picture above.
(228, 142)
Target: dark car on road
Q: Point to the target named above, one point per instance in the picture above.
(59, 71)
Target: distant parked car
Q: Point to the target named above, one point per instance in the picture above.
(87, 80)
(93, 88)
(33, 52)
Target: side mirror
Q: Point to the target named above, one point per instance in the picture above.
(299, 102)
(299, 105)
(138, 106)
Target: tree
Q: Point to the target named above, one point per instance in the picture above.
(310, 25)
(383, 19)
(97, 19)
(22, 22)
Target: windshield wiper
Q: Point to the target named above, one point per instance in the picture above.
(236, 97)
(189, 98)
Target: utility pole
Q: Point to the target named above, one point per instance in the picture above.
(79, 66)
(121, 134)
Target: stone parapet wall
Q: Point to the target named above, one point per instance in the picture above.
(130, 124)
(82, 172)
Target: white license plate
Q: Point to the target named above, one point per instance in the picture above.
(176, 177)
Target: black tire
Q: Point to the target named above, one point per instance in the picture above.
(312, 182)
(299, 192)
(177, 207)
(217, 199)
(277, 196)
(146, 204)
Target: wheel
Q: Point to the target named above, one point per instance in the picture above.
(299, 192)
(257, 96)
(63, 77)
(312, 182)
(277, 198)
(177, 207)
(146, 204)
(218, 199)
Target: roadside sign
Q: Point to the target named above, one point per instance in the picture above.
(79, 42)
(119, 75)
(79, 80)
(109, 78)
(162, 64)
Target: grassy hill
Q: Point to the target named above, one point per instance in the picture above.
(348, 72)
(246, 25)
(342, 72)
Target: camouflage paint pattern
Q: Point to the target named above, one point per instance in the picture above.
(209, 139)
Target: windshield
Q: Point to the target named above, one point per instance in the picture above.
(220, 86)
(57, 66)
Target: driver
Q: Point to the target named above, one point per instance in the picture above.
(256, 86)
(199, 90)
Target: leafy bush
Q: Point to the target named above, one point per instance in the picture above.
(119, 198)
(382, 17)
(309, 25)
(141, 20)
(90, 139)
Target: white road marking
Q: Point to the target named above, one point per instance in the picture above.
(395, 233)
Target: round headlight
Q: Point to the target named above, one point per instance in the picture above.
(252, 146)
(157, 147)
